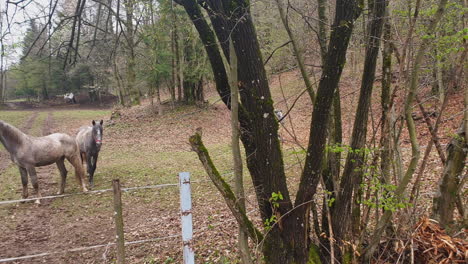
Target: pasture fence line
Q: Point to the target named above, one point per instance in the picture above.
(91, 192)
(127, 243)
(128, 189)
(186, 221)
(78, 249)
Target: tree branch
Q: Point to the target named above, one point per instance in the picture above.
(223, 187)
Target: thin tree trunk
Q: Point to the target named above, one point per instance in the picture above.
(355, 162)
(404, 51)
(130, 54)
(179, 76)
(439, 77)
(375, 238)
(158, 100)
(120, 86)
(172, 86)
(446, 194)
(323, 31)
(385, 99)
(236, 153)
(386, 153)
(297, 51)
(345, 16)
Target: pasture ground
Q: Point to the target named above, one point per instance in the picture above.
(141, 148)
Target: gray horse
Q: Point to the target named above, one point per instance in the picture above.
(89, 139)
(29, 152)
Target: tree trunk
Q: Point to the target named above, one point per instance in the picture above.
(439, 77)
(447, 191)
(355, 162)
(345, 16)
(173, 84)
(385, 155)
(178, 63)
(297, 50)
(243, 242)
(130, 54)
(323, 32)
(288, 239)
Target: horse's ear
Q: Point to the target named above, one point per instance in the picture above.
(94, 123)
(101, 122)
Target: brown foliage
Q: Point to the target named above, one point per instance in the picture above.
(433, 245)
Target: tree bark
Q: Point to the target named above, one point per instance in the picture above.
(130, 53)
(243, 242)
(345, 16)
(447, 191)
(323, 32)
(386, 155)
(355, 162)
(178, 63)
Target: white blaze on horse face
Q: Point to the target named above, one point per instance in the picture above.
(98, 137)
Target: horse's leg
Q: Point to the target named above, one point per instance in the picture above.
(89, 166)
(83, 156)
(93, 169)
(63, 174)
(33, 176)
(79, 172)
(24, 181)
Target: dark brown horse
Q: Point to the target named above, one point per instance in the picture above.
(29, 152)
(89, 139)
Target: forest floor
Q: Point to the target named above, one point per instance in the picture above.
(141, 148)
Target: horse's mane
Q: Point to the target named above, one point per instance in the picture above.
(11, 133)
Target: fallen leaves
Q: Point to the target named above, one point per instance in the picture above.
(433, 245)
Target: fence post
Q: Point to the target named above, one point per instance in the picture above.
(119, 222)
(186, 212)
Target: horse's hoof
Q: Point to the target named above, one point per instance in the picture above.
(38, 202)
(85, 189)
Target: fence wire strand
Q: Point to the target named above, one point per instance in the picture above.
(86, 248)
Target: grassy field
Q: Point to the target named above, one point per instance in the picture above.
(139, 153)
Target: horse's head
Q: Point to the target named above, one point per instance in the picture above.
(97, 132)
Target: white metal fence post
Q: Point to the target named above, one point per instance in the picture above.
(186, 212)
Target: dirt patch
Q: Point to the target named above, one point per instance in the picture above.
(32, 225)
(48, 126)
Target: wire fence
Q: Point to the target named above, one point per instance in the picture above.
(110, 244)
(78, 249)
(87, 193)
(86, 248)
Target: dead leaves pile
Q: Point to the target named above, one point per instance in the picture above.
(435, 246)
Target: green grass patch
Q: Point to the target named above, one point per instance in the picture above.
(15, 118)
(10, 183)
(80, 115)
(38, 125)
